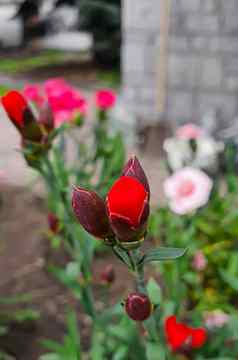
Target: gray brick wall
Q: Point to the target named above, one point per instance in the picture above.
(202, 58)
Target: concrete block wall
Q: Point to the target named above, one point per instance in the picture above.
(202, 58)
(139, 55)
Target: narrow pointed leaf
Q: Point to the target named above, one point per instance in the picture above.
(163, 254)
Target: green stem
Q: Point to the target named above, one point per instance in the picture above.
(53, 185)
(150, 324)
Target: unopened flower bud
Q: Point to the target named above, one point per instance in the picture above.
(90, 211)
(199, 261)
(138, 306)
(53, 223)
(21, 116)
(105, 99)
(128, 209)
(46, 118)
(134, 169)
(108, 275)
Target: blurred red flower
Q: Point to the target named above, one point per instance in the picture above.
(180, 336)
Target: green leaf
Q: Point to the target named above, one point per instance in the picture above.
(51, 345)
(155, 351)
(163, 254)
(154, 291)
(73, 331)
(231, 280)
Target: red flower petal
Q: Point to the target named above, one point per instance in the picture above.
(127, 199)
(170, 323)
(177, 333)
(199, 337)
(15, 105)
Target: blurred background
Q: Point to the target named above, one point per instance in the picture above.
(169, 61)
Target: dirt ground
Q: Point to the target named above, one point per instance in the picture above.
(25, 253)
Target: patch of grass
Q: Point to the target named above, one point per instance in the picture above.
(3, 90)
(46, 58)
(110, 78)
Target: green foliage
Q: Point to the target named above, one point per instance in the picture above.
(3, 90)
(212, 230)
(103, 19)
(70, 349)
(17, 65)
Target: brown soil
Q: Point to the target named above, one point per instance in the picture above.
(24, 253)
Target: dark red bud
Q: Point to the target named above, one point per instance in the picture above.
(108, 275)
(31, 130)
(138, 306)
(128, 208)
(53, 223)
(134, 169)
(46, 118)
(90, 211)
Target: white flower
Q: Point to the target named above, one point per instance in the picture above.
(187, 190)
(180, 154)
(207, 153)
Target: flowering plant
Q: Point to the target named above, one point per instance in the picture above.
(200, 214)
(194, 147)
(66, 102)
(121, 222)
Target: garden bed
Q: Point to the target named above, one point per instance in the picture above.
(25, 253)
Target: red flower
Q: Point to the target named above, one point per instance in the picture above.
(127, 206)
(53, 223)
(15, 106)
(138, 306)
(180, 335)
(22, 117)
(126, 210)
(105, 99)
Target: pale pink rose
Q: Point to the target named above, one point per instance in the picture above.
(105, 99)
(216, 319)
(189, 131)
(187, 190)
(199, 262)
(34, 93)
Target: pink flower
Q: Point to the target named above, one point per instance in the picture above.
(189, 131)
(187, 190)
(199, 262)
(34, 94)
(216, 319)
(53, 86)
(105, 99)
(65, 101)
